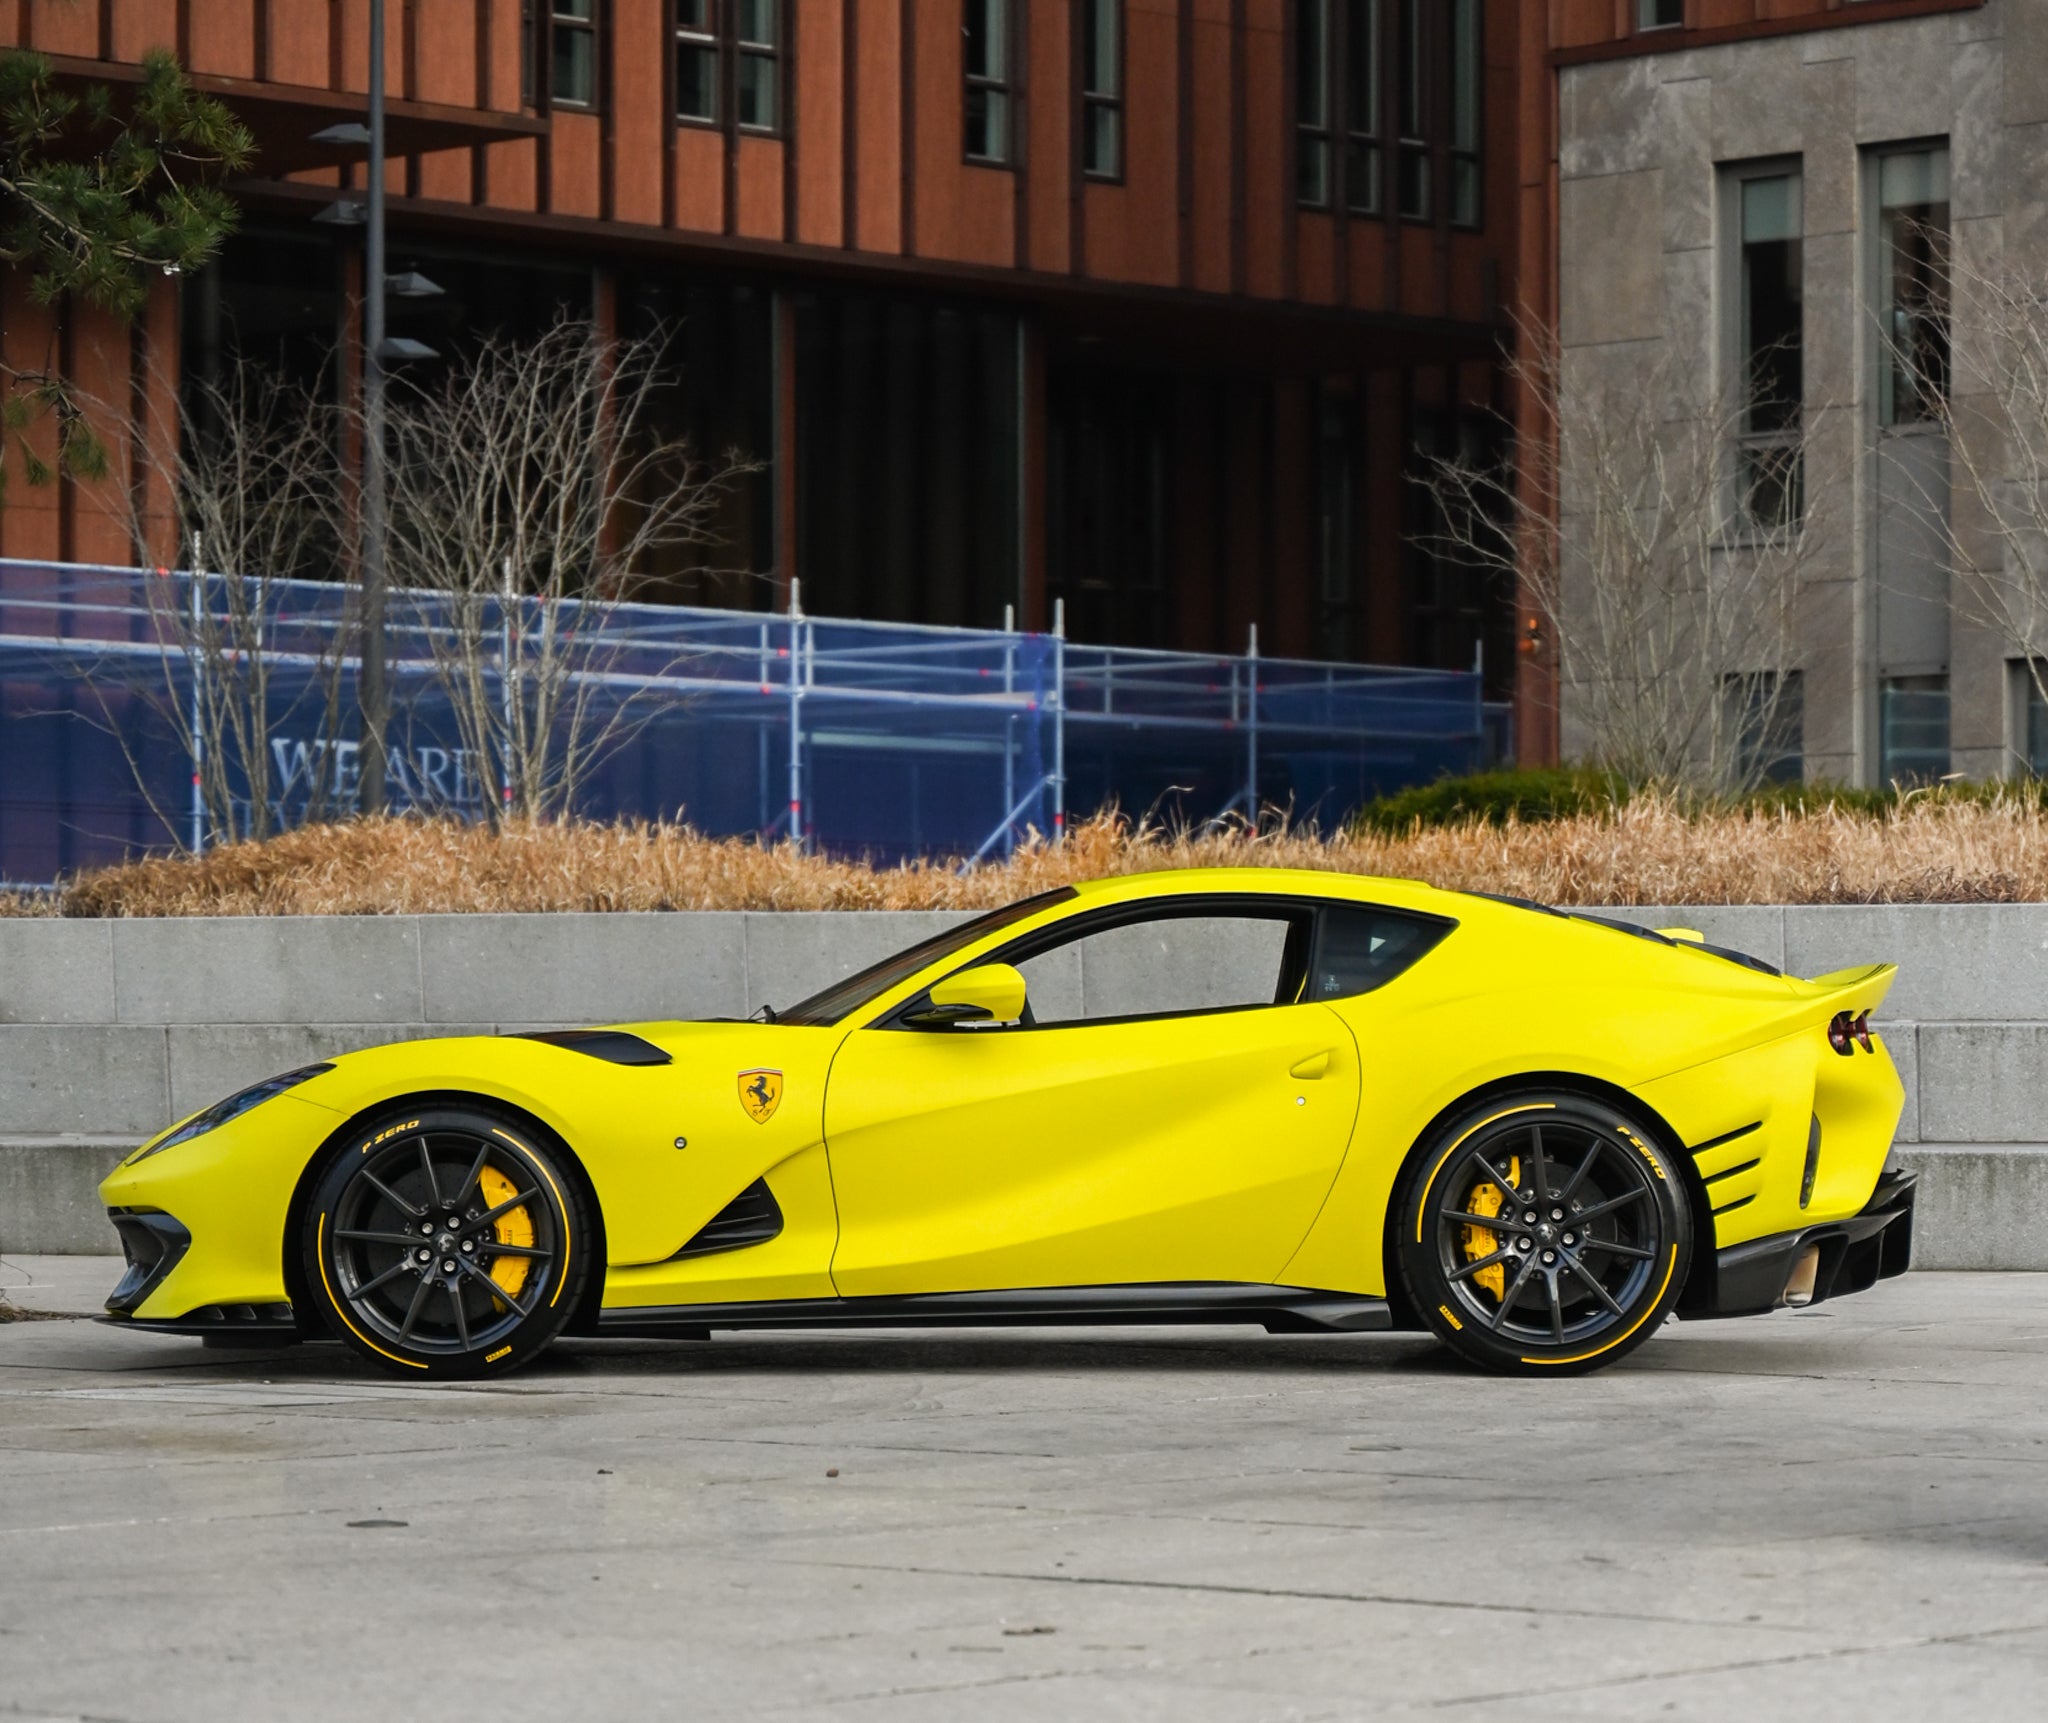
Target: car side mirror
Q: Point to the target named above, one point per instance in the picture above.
(990, 993)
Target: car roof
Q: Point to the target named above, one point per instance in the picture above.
(1275, 882)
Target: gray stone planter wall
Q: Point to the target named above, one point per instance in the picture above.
(108, 1029)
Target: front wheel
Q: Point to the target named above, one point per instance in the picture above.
(1544, 1233)
(446, 1242)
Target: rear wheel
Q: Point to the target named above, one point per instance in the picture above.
(1544, 1233)
(446, 1242)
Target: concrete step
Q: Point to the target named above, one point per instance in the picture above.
(1976, 1209)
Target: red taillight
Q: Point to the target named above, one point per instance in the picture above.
(1861, 1030)
(1846, 1033)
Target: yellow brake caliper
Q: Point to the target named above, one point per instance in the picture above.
(514, 1226)
(1483, 1199)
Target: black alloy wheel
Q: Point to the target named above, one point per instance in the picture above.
(1544, 1233)
(446, 1242)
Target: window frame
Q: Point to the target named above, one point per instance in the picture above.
(1645, 26)
(1111, 101)
(1338, 133)
(1006, 86)
(1734, 365)
(720, 38)
(556, 22)
(1880, 280)
(1305, 942)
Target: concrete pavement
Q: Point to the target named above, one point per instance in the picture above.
(1839, 1513)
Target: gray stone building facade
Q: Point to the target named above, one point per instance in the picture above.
(1794, 206)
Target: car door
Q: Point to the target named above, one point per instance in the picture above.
(1172, 1108)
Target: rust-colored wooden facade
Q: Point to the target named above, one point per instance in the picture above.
(1196, 262)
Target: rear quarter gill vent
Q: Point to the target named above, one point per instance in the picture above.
(1812, 1162)
(752, 1217)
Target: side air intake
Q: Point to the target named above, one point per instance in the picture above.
(752, 1217)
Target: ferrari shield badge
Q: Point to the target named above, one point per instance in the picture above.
(760, 1094)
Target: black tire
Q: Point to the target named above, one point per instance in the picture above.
(1585, 1281)
(446, 1241)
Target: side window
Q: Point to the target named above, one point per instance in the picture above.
(1169, 966)
(1360, 948)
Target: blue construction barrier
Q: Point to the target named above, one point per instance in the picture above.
(873, 739)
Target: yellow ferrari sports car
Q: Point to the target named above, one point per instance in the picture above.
(1308, 1101)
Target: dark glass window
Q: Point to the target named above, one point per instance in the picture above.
(907, 458)
(729, 61)
(1913, 286)
(1361, 948)
(1312, 102)
(1413, 192)
(1913, 729)
(2036, 739)
(572, 32)
(988, 94)
(1467, 82)
(1341, 458)
(1768, 713)
(1109, 434)
(1659, 14)
(1771, 374)
(1337, 104)
(1102, 88)
(721, 400)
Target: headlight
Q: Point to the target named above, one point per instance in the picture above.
(233, 1107)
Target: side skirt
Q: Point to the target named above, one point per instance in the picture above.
(1278, 1309)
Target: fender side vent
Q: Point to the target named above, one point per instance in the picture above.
(613, 1044)
(752, 1217)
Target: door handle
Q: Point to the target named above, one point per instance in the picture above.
(1314, 1066)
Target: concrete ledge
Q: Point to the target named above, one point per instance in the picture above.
(49, 1202)
(1978, 1204)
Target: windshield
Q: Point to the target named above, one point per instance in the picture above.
(823, 1009)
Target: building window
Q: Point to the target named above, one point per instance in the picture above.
(1912, 286)
(1467, 81)
(1412, 190)
(572, 53)
(729, 56)
(1660, 14)
(1913, 729)
(1767, 714)
(1102, 88)
(2033, 707)
(1337, 99)
(986, 64)
(1769, 379)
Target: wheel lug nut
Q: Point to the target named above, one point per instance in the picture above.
(1529, 1219)
(1550, 1256)
(1557, 1214)
(426, 1229)
(448, 1267)
(1524, 1244)
(1568, 1239)
(469, 1244)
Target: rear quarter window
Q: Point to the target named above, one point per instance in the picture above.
(1360, 948)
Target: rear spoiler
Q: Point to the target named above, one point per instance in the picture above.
(1851, 990)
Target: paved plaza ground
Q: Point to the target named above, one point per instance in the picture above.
(1835, 1514)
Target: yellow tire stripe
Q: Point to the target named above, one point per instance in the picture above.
(1422, 1204)
(1670, 1268)
(341, 1310)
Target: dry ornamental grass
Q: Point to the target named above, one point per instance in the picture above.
(1647, 852)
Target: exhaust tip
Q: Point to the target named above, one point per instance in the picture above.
(1800, 1283)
